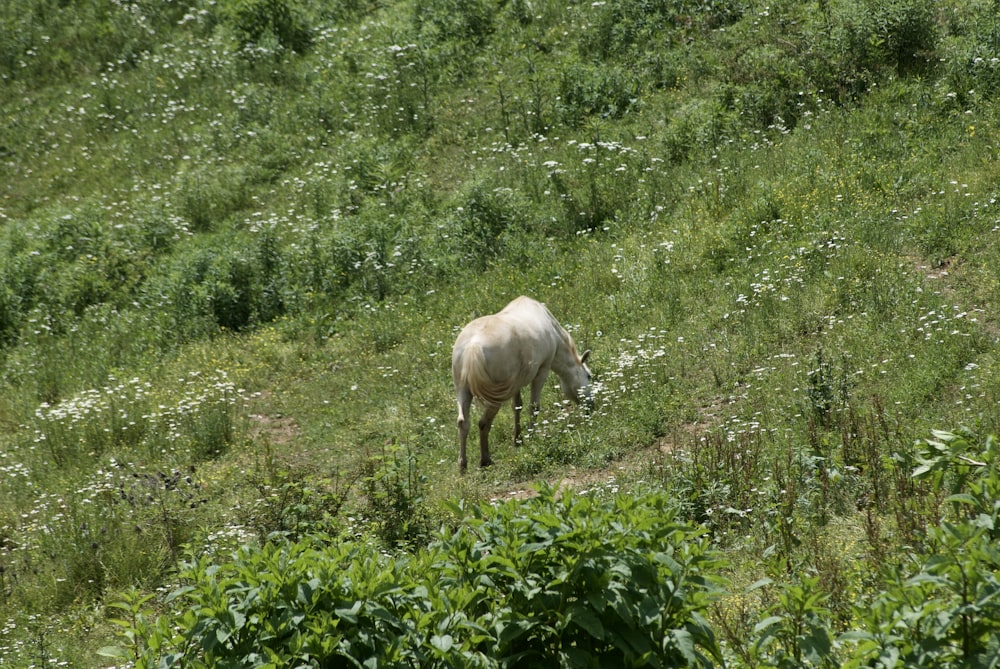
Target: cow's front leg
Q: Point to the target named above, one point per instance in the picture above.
(516, 403)
(536, 397)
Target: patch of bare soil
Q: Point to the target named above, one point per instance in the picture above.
(941, 277)
(278, 430)
(579, 480)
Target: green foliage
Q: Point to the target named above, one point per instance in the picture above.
(259, 23)
(133, 623)
(774, 224)
(394, 496)
(583, 582)
(236, 286)
(455, 32)
(952, 462)
(209, 196)
(400, 98)
(901, 34)
(287, 505)
(943, 610)
(828, 390)
(121, 527)
(628, 28)
(587, 90)
(798, 633)
(559, 579)
(57, 40)
(201, 420)
(488, 221)
(442, 21)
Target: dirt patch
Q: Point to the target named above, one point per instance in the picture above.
(941, 276)
(278, 430)
(939, 271)
(275, 440)
(581, 480)
(577, 481)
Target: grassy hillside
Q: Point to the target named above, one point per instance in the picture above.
(238, 238)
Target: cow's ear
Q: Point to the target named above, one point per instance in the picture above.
(583, 358)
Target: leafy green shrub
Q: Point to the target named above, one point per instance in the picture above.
(766, 86)
(596, 185)
(946, 613)
(900, 35)
(19, 292)
(454, 32)
(271, 275)
(108, 275)
(255, 23)
(10, 316)
(694, 126)
(486, 218)
(343, 11)
(207, 196)
(393, 491)
(604, 90)
(620, 27)
(60, 42)
(233, 291)
(372, 256)
(797, 633)
(557, 580)
(455, 20)
(236, 286)
(581, 582)
(285, 503)
(976, 70)
(632, 27)
(184, 297)
(970, 52)
(81, 260)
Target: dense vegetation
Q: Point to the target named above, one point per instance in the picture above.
(239, 236)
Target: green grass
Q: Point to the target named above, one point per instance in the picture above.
(237, 244)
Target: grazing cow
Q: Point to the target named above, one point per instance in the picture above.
(496, 356)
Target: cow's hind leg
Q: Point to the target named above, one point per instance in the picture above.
(485, 423)
(464, 403)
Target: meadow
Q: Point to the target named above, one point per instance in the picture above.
(239, 237)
